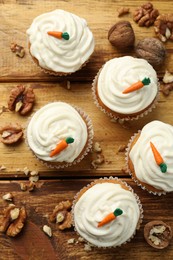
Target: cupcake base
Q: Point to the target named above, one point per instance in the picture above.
(125, 186)
(131, 170)
(115, 115)
(85, 151)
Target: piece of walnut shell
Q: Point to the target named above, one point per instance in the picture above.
(152, 50)
(157, 234)
(11, 133)
(21, 99)
(121, 35)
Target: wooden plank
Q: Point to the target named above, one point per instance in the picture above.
(40, 203)
(18, 15)
(109, 134)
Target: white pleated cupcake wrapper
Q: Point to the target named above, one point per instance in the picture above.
(111, 115)
(130, 173)
(130, 189)
(52, 165)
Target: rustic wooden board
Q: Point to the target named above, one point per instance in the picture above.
(110, 135)
(16, 17)
(40, 203)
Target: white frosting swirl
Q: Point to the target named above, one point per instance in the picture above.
(51, 124)
(100, 200)
(60, 55)
(120, 73)
(141, 155)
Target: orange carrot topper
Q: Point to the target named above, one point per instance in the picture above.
(111, 216)
(59, 35)
(137, 85)
(158, 158)
(61, 146)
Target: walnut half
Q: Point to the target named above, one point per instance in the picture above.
(164, 27)
(12, 220)
(21, 99)
(11, 133)
(157, 234)
(145, 15)
(62, 215)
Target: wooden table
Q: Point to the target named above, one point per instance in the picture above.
(58, 185)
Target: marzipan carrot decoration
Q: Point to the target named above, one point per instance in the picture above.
(59, 35)
(61, 146)
(111, 216)
(137, 85)
(158, 158)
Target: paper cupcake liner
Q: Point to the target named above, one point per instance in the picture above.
(130, 173)
(120, 182)
(86, 150)
(117, 118)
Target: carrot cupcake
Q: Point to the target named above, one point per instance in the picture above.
(126, 88)
(107, 213)
(59, 134)
(150, 157)
(60, 42)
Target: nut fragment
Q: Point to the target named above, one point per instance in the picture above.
(71, 241)
(11, 133)
(145, 15)
(21, 99)
(152, 50)
(47, 230)
(8, 196)
(62, 215)
(121, 35)
(168, 77)
(157, 234)
(14, 213)
(122, 11)
(97, 148)
(164, 27)
(13, 220)
(98, 161)
(19, 50)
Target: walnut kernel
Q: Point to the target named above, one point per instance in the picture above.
(145, 15)
(122, 11)
(21, 99)
(13, 220)
(157, 234)
(19, 50)
(62, 215)
(164, 27)
(8, 196)
(152, 50)
(11, 133)
(121, 35)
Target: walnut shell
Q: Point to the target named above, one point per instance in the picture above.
(157, 234)
(121, 35)
(152, 50)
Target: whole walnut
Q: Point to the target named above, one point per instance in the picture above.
(121, 35)
(152, 50)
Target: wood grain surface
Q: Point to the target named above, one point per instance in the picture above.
(57, 185)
